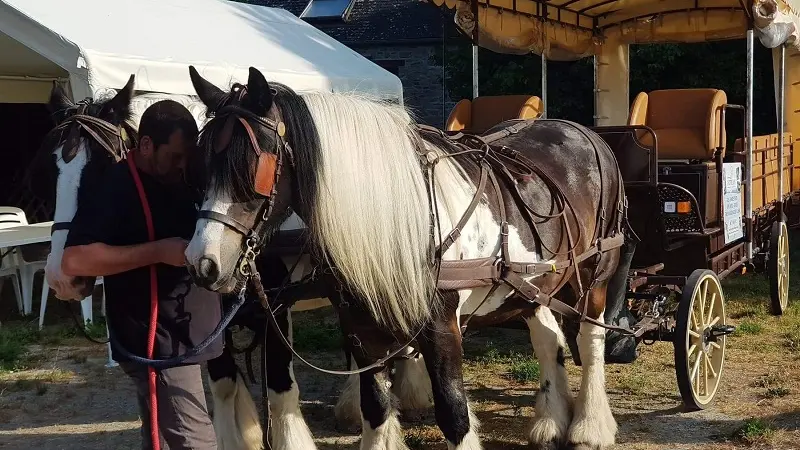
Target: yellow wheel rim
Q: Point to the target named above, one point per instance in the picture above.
(704, 355)
(783, 266)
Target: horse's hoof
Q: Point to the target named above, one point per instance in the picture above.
(346, 426)
(573, 446)
(415, 415)
(552, 445)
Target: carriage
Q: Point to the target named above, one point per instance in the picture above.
(701, 208)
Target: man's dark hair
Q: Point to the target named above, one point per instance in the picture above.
(163, 118)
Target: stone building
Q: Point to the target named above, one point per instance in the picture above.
(406, 37)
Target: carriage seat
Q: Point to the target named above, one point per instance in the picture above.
(686, 122)
(478, 115)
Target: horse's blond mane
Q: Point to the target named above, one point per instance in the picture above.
(371, 211)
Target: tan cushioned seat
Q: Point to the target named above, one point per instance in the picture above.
(482, 113)
(686, 121)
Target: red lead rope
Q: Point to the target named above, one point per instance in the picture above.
(151, 334)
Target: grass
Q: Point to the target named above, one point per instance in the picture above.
(525, 370)
(755, 431)
(748, 326)
(16, 337)
(316, 331)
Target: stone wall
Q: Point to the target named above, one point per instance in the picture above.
(422, 79)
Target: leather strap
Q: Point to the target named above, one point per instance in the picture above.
(534, 295)
(226, 220)
(456, 232)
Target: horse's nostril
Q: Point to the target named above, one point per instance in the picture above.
(207, 269)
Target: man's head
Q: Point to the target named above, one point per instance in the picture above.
(167, 133)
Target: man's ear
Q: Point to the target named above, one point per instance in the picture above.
(146, 145)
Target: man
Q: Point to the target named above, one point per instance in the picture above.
(109, 239)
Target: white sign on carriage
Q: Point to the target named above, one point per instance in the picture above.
(732, 201)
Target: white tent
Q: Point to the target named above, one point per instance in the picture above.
(96, 45)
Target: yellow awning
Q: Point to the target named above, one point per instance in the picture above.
(572, 29)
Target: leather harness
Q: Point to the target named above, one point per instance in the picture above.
(491, 271)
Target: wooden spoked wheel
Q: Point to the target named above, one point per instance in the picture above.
(699, 339)
(778, 267)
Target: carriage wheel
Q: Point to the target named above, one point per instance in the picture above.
(699, 341)
(778, 267)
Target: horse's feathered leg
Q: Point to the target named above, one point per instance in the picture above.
(548, 430)
(380, 428)
(410, 384)
(440, 345)
(289, 429)
(593, 425)
(235, 416)
(348, 408)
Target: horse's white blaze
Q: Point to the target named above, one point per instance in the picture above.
(388, 436)
(208, 234)
(67, 184)
(554, 400)
(593, 423)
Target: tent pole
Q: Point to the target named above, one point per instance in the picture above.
(781, 126)
(595, 90)
(748, 165)
(475, 39)
(544, 86)
(474, 71)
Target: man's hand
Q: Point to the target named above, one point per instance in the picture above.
(172, 251)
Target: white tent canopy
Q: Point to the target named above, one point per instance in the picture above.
(96, 45)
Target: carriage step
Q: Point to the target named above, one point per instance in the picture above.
(719, 331)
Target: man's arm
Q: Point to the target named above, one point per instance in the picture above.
(98, 259)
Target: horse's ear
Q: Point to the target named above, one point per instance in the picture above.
(259, 94)
(210, 95)
(119, 108)
(59, 103)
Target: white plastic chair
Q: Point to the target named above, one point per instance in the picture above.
(14, 263)
(86, 303)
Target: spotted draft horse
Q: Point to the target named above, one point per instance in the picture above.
(377, 193)
(70, 172)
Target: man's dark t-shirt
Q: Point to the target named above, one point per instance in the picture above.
(114, 216)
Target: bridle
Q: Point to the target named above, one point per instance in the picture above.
(110, 137)
(268, 171)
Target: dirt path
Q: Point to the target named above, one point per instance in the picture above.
(59, 395)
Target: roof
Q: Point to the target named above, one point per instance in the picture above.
(377, 21)
(98, 44)
(571, 29)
